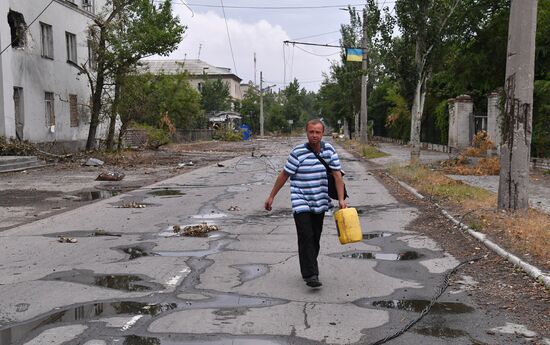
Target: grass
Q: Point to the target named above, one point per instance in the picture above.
(523, 232)
(366, 151)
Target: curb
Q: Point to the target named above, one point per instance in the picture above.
(531, 270)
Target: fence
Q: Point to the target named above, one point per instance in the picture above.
(188, 135)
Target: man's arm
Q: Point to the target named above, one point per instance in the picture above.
(279, 183)
(340, 188)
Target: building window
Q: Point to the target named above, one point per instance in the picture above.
(88, 5)
(73, 108)
(50, 112)
(18, 27)
(46, 38)
(71, 47)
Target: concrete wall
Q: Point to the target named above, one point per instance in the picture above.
(460, 122)
(26, 68)
(493, 118)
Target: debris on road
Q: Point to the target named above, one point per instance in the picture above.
(234, 208)
(94, 162)
(186, 164)
(132, 204)
(220, 165)
(110, 176)
(100, 232)
(64, 239)
(199, 230)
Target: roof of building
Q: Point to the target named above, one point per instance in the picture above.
(193, 67)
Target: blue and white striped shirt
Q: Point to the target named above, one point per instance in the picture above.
(308, 178)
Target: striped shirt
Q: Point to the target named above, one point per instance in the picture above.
(308, 178)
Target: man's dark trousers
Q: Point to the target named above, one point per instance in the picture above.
(309, 227)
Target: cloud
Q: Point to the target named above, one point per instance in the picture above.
(208, 31)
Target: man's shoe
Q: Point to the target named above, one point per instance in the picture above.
(313, 281)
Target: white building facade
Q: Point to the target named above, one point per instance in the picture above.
(43, 97)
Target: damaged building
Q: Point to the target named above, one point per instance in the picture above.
(43, 97)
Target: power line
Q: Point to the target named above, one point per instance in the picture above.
(312, 53)
(277, 7)
(34, 20)
(312, 36)
(229, 38)
(319, 45)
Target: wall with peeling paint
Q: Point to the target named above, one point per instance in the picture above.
(26, 68)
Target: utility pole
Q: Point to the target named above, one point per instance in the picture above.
(255, 69)
(261, 105)
(518, 112)
(364, 123)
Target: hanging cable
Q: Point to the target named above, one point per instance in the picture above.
(278, 7)
(318, 35)
(312, 53)
(28, 26)
(229, 38)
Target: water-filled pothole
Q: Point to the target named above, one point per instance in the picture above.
(166, 192)
(95, 195)
(417, 305)
(409, 255)
(371, 235)
(215, 247)
(441, 332)
(18, 332)
(250, 272)
(135, 252)
(125, 282)
(85, 233)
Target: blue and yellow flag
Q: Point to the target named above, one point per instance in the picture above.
(353, 54)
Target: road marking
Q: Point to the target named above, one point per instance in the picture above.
(173, 281)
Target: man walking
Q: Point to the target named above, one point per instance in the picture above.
(309, 195)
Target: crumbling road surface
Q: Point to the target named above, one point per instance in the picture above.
(119, 271)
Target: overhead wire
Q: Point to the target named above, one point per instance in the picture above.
(229, 38)
(320, 55)
(278, 7)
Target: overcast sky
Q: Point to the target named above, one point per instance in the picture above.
(262, 31)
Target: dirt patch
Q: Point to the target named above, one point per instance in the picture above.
(501, 288)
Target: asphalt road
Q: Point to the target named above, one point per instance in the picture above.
(240, 285)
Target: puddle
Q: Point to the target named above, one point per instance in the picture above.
(215, 247)
(441, 332)
(169, 232)
(410, 255)
(371, 235)
(135, 252)
(231, 301)
(17, 332)
(213, 215)
(176, 340)
(125, 282)
(251, 271)
(95, 195)
(84, 233)
(166, 192)
(137, 340)
(419, 305)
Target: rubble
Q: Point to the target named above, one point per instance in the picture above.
(94, 162)
(64, 239)
(132, 204)
(110, 176)
(199, 230)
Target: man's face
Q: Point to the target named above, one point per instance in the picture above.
(314, 133)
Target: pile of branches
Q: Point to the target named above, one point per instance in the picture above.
(14, 147)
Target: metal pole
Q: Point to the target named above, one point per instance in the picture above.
(261, 105)
(364, 124)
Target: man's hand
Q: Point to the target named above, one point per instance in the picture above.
(342, 203)
(268, 203)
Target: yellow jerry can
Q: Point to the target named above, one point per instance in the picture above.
(348, 226)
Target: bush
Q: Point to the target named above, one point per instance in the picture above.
(155, 137)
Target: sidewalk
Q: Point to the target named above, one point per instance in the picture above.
(539, 188)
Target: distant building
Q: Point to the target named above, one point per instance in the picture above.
(225, 119)
(43, 98)
(198, 70)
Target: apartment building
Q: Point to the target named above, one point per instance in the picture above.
(43, 97)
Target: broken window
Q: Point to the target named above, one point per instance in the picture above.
(18, 27)
(50, 113)
(73, 109)
(71, 47)
(46, 38)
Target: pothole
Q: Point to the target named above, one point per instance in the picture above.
(84, 233)
(408, 255)
(371, 235)
(95, 195)
(125, 282)
(215, 247)
(19, 331)
(441, 332)
(251, 271)
(166, 192)
(418, 305)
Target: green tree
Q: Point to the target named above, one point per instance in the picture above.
(215, 95)
(122, 33)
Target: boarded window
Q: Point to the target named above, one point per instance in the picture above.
(46, 38)
(49, 110)
(71, 47)
(18, 27)
(73, 108)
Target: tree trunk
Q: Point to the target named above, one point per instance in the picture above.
(121, 133)
(97, 94)
(112, 120)
(416, 118)
(518, 112)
